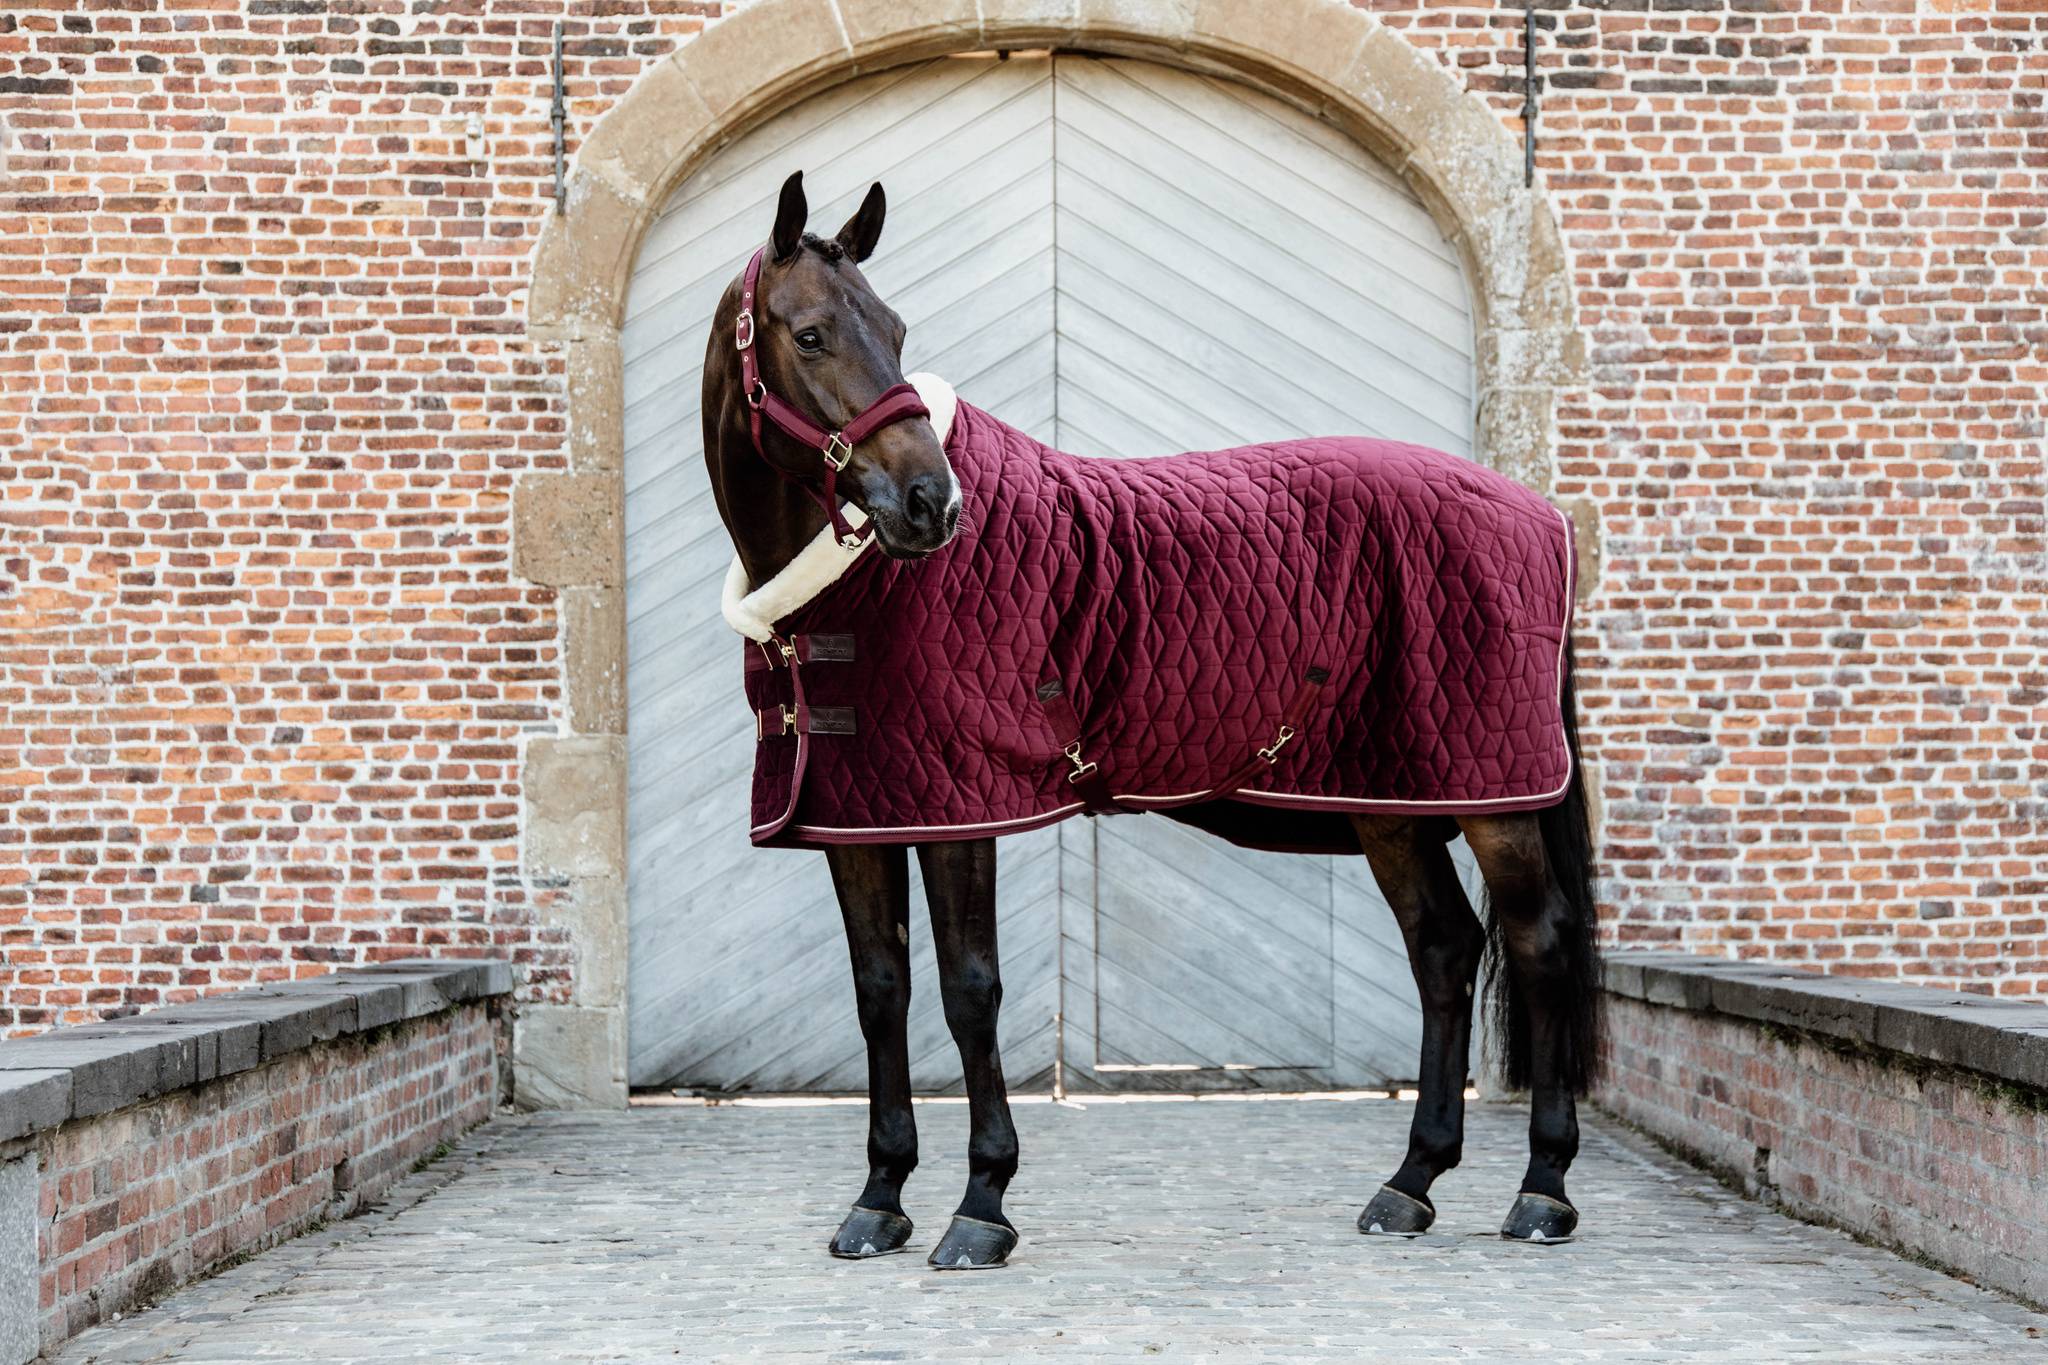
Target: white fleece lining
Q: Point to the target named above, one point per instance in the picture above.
(819, 564)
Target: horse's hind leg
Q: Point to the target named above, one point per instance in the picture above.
(960, 883)
(1445, 942)
(874, 899)
(1538, 929)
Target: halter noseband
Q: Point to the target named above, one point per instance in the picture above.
(836, 447)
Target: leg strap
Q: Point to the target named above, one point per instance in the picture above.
(1085, 776)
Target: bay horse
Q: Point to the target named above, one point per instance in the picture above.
(815, 454)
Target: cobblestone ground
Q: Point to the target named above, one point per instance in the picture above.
(1216, 1230)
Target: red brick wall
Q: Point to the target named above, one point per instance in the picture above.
(264, 669)
(137, 1202)
(1932, 1163)
(1811, 267)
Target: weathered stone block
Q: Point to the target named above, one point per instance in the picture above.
(569, 1057)
(234, 1042)
(2006, 1039)
(459, 978)
(1154, 23)
(31, 1101)
(1296, 42)
(580, 271)
(595, 916)
(597, 404)
(1514, 434)
(569, 529)
(20, 1282)
(1677, 986)
(635, 144)
(594, 622)
(576, 806)
(287, 1016)
(1586, 545)
(725, 64)
(1794, 1000)
(884, 32)
(111, 1067)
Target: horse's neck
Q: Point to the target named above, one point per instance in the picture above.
(769, 518)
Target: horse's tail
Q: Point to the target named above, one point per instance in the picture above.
(1568, 849)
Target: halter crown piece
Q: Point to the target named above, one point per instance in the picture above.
(895, 405)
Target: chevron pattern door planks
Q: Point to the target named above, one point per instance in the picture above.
(1122, 259)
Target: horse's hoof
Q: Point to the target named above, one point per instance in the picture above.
(1539, 1218)
(970, 1244)
(1394, 1214)
(869, 1232)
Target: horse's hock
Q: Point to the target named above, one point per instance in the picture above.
(1335, 62)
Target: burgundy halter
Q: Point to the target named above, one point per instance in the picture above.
(894, 405)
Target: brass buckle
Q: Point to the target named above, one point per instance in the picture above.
(1272, 751)
(836, 441)
(743, 330)
(1081, 767)
(854, 540)
(761, 726)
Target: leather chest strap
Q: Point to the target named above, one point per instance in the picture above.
(800, 717)
(810, 649)
(777, 721)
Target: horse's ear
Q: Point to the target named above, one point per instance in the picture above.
(864, 229)
(790, 216)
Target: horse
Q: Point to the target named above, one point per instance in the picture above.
(818, 450)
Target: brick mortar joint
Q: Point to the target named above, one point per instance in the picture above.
(1919, 1069)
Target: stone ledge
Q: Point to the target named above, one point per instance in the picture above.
(2003, 1039)
(73, 1073)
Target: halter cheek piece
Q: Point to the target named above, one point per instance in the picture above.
(836, 447)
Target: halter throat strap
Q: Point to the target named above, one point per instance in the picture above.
(896, 404)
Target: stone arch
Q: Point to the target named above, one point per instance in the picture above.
(1328, 58)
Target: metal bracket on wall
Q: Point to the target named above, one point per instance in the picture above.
(556, 115)
(1529, 107)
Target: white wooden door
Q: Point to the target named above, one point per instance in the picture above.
(1122, 259)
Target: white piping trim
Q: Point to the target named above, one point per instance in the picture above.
(753, 613)
(992, 827)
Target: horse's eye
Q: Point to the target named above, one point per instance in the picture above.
(809, 340)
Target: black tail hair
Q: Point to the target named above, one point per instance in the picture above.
(1568, 849)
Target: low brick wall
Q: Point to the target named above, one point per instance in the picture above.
(1909, 1115)
(142, 1153)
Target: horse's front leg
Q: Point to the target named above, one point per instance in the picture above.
(1445, 942)
(874, 899)
(960, 883)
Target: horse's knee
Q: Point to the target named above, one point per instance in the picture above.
(881, 996)
(973, 996)
(1447, 953)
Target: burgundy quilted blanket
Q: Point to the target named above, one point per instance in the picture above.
(1258, 641)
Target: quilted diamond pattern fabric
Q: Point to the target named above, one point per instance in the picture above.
(1406, 608)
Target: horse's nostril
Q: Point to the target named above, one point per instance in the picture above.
(925, 500)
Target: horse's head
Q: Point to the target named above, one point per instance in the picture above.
(827, 344)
